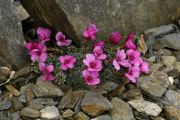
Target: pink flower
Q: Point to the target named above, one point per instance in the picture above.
(43, 34)
(61, 40)
(100, 43)
(129, 41)
(37, 51)
(91, 78)
(46, 70)
(115, 37)
(92, 63)
(90, 32)
(133, 73)
(144, 67)
(67, 62)
(120, 59)
(98, 53)
(134, 57)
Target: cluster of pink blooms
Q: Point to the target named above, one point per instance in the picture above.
(128, 57)
(131, 59)
(37, 51)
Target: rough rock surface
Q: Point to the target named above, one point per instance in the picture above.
(173, 98)
(50, 112)
(121, 110)
(94, 104)
(73, 16)
(12, 50)
(147, 107)
(155, 85)
(46, 89)
(171, 41)
(172, 113)
(28, 112)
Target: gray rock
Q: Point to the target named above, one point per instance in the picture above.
(147, 107)
(22, 99)
(46, 89)
(30, 113)
(172, 113)
(121, 110)
(158, 118)
(67, 113)
(95, 104)
(177, 54)
(108, 86)
(22, 13)
(50, 112)
(177, 66)
(169, 61)
(74, 15)
(4, 115)
(12, 49)
(81, 116)
(43, 101)
(66, 99)
(155, 85)
(171, 41)
(5, 104)
(157, 31)
(103, 117)
(17, 104)
(173, 98)
(15, 116)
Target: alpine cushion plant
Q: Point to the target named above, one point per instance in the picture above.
(127, 60)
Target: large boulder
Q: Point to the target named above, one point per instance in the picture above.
(72, 16)
(12, 50)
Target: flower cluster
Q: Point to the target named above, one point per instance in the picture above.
(127, 58)
(38, 53)
(130, 58)
(93, 61)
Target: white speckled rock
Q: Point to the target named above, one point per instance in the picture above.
(147, 107)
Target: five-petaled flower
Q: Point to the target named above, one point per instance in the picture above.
(90, 32)
(67, 62)
(46, 70)
(133, 73)
(134, 57)
(37, 51)
(43, 34)
(120, 60)
(91, 78)
(61, 40)
(98, 53)
(92, 63)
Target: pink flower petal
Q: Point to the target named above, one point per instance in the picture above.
(116, 65)
(42, 66)
(50, 68)
(90, 57)
(64, 67)
(43, 57)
